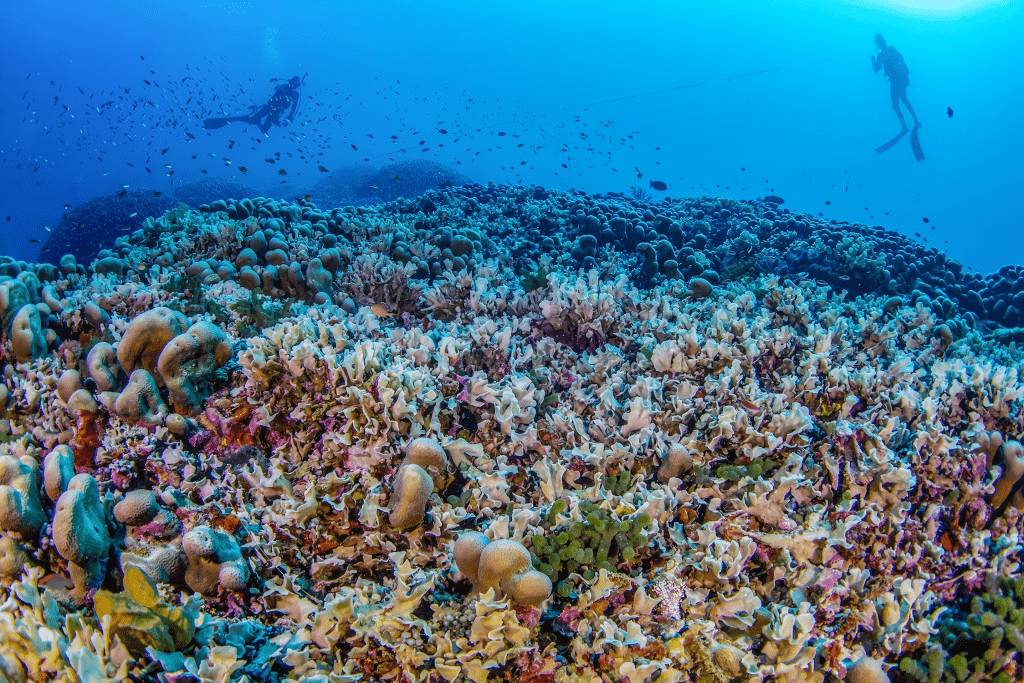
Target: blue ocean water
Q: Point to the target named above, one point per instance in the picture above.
(782, 100)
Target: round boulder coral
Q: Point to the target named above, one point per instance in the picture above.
(189, 362)
(146, 337)
(214, 559)
(502, 566)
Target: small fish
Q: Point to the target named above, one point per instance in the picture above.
(33, 240)
(307, 197)
(122, 193)
(134, 215)
(658, 185)
(282, 172)
(157, 193)
(397, 179)
(8, 218)
(381, 311)
(243, 169)
(925, 220)
(949, 112)
(773, 199)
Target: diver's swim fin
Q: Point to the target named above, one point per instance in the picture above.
(915, 144)
(892, 143)
(212, 124)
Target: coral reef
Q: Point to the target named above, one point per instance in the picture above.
(509, 434)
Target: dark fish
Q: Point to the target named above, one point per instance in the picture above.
(157, 193)
(8, 218)
(658, 185)
(397, 179)
(243, 169)
(122, 193)
(322, 169)
(774, 200)
(282, 172)
(33, 240)
(949, 112)
(925, 220)
(354, 147)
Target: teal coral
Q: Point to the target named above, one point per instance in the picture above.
(601, 541)
(979, 639)
(534, 280)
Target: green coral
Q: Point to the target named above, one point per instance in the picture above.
(734, 473)
(601, 540)
(530, 281)
(618, 484)
(854, 254)
(979, 639)
(194, 302)
(259, 313)
(176, 216)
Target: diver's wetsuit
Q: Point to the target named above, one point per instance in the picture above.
(286, 95)
(899, 78)
(270, 114)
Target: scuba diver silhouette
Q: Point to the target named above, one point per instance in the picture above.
(270, 114)
(899, 77)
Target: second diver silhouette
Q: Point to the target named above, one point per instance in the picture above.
(899, 78)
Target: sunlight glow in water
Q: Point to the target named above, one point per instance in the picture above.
(946, 9)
